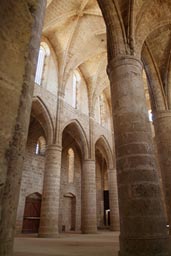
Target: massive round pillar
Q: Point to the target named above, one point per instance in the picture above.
(142, 221)
(113, 201)
(51, 192)
(21, 28)
(162, 125)
(88, 211)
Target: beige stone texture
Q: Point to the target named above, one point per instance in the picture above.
(89, 217)
(51, 193)
(104, 123)
(138, 183)
(70, 194)
(162, 126)
(20, 40)
(113, 201)
(33, 171)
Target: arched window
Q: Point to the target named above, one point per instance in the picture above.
(75, 89)
(97, 109)
(70, 165)
(147, 96)
(43, 52)
(72, 90)
(102, 109)
(41, 146)
(150, 115)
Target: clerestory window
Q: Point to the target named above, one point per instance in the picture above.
(70, 165)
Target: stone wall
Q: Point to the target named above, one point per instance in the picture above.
(99, 196)
(33, 171)
(32, 179)
(68, 191)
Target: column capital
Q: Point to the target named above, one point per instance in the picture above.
(111, 170)
(89, 161)
(121, 60)
(54, 147)
(161, 114)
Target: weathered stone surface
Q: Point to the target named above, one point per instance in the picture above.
(162, 124)
(74, 31)
(51, 193)
(143, 226)
(89, 222)
(21, 25)
(113, 201)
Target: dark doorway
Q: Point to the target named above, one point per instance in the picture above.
(106, 208)
(32, 213)
(69, 214)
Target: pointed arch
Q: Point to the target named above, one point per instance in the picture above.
(103, 146)
(156, 92)
(48, 3)
(69, 194)
(168, 82)
(36, 195)
(153, 15)
(146, 5)
(41, 113)
(75, 129)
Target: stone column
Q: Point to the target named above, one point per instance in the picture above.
(162, 125)
(51, 192)
(88, 211)
(21, 28)
(142, 221)
(113, 201)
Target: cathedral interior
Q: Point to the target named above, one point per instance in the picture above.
(85, 128)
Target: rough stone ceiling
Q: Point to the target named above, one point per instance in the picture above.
(159, 43)
(76, 31)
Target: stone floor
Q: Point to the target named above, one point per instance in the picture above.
(101, 244)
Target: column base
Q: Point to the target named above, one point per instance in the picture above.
(6, 247)
(114, 229)
(143, 254)
(89, 231)
(48, 235)
(157, 246)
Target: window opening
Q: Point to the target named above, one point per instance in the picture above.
(40, 146)
(70, 165)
